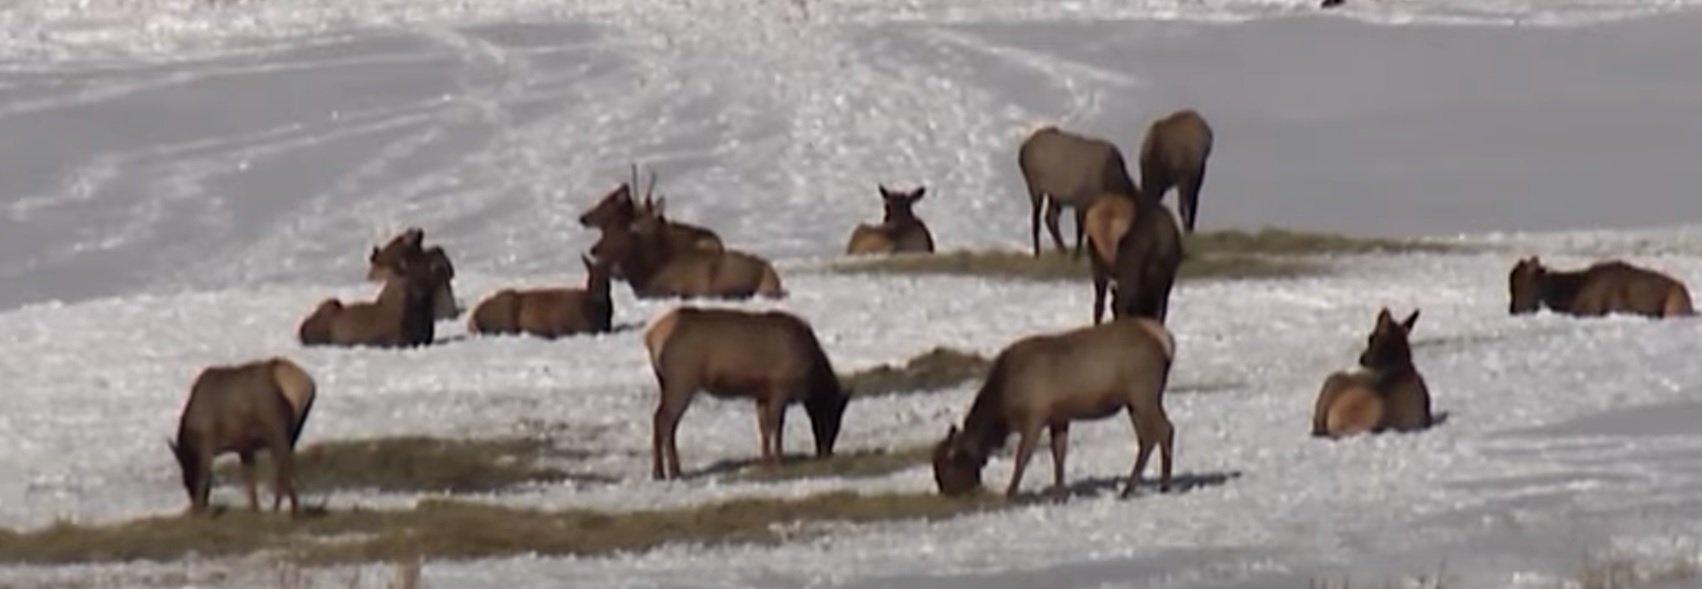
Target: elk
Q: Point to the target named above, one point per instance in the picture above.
(384, 261)
(899, 231)
(401, 315)
(1387, 394)
(1134, 241)
(1603, 288)
(643, 253)
(1174, 154)
(243, 409)
(770, 357)
(1048, 381)
(549, 312)
(618, 209)
(1061, 170)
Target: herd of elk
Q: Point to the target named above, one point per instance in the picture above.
(1041, 382)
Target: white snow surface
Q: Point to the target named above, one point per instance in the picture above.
(182, 181)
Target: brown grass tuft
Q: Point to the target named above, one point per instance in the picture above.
(935, 369)
(423, 464)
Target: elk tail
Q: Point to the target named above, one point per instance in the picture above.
(298, 390)
(1678, 303)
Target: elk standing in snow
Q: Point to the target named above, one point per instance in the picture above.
(243, 409)
(1066, 170)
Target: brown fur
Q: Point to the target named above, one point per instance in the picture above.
(1062, 170)
(642, 253)
(384, 261)
(771, 357)
(1388, 394)
(1048, 381)
(1148, 233)
(549, 312)
(401, 315)
(1603, 288)
(899, 231)
(618, 208)
(243, 409)
(1174, 154)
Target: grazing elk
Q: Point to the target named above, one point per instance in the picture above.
(1067, 170)
(383, 262)
(770, 357)
(1388, 394)
(243, 409)
(900, 229)
(401, 316)
(549, 312)
(1606, 287)
(617, 209)
(1135, 242)
(642, 253)
(1174, 154)
(1048, 381)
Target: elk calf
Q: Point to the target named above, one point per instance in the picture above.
(899, 231)
(1388, 394)
(1603, 288)
(549, 312)
(1066, 170)
(771, 357)
(1174, 154)
(1048, 381)
(243, 409)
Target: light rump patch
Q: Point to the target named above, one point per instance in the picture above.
(656, 335)
(1159, 334)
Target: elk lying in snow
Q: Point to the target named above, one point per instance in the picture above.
(401, 316)
(643, 253)
(384, 261)
(1068, 170)
(243, 409)
(1174, 154)
(1606, 287)
(617, 209)
(1388, 394)
(900, 230)
(770, 357)
(549, 312)
(1134, 241)
(1047, 381)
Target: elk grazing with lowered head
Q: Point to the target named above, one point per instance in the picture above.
(401, 316)
(1174, 154)
(1606, 287)
(899, 231)
(549, 312)
(243, 409)
(1066, 170)
(1048, 381)
(770, 357)
(384, 262)
(1133, 242)
(642, 253)
(1388, 394)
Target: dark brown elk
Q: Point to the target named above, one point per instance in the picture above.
(1067, 170)
(1133, 241)
(618, 208)
(770, 357)
(1174, 154)
(899, 231)
(409, 245)
(642, 253)
(401, 316)
(549, 312)
(243, 409)
(1606, 287)
(1048, 381)
(1388, 394)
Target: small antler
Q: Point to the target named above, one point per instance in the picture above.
(635, 176)
(652, 188)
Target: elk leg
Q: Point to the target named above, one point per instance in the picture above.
(1053, 209)
(1060, 442)
(1034, 200)
(1166, 437)
(203, 483)
(1024, 450)
(247, 458)
(283, 475)
(768, 421)
(667, 419)
(1143, 435)
(1189, 197)
(1100, 280)
(1081, 228)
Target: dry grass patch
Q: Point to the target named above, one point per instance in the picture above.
(854, 464)
(1271, 241)
(935, 369)
(442, 529)
(424, 465)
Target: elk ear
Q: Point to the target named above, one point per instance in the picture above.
(1384, 317)
(414, 236)
(916, 195)
(1406, 324)
(373, 257)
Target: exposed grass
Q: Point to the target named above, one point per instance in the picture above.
(1272, 241)
(1623, 573)
(935, 369)
(423, 464)
(856, 464)
(441, 529)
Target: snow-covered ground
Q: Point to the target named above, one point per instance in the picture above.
(181, 181)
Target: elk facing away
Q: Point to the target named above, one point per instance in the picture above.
(1606, 287)
(899, 231)
(1066, 170)
(771, 357)
(1048, 381)
(243, 409)
(1174, 154)
(1388, 394)
(549, 312)
(1135, 242)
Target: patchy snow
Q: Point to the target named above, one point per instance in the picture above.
(183, 181)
